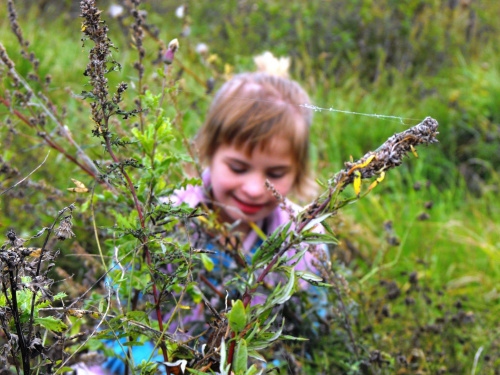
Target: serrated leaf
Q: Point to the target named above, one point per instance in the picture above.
(51, 323)
(237, 317)
(59, 296)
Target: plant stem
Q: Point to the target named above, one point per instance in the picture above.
(49, 231)
(143, 240)
(247, 297)
(15, 312)
(47, 140)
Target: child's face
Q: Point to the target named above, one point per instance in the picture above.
(238, 180)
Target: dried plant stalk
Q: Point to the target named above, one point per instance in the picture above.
(391, 153)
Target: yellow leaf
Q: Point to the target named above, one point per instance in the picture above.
(357, 183)
(80, 187)
(414, 152)
(75, 313)
(78, 183)
(35, 253)
(203, 219)
(184, 307)
(362, 165)
(257, 230)
(377, 181)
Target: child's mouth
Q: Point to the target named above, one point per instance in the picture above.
(248, 208)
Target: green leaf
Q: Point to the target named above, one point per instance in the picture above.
(207, 262)
(194, 292)
(241, 362)
(223, 368)
(62, 370)
(308, 276)
(254, 370)
(59, 296)
(101, 305)
(51, 323)
(136, 315)
(319, 238)
(237, 317)
(317, 221)
(257, 355)
(287, 337)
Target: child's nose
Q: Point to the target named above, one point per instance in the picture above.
(255, 187)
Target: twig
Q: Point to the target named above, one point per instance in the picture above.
(24, 179)
(49, 232)
(93, 332)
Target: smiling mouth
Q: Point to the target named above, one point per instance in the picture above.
(248, 208)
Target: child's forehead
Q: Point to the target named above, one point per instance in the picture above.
(274, 147)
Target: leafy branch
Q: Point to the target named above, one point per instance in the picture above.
(374, 163)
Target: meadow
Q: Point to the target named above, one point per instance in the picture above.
(416, 263)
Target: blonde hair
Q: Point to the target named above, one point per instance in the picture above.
(252, 108)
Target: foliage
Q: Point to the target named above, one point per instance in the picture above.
(405, 292)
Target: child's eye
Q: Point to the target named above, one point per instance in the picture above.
(237, 168)
(279, 174)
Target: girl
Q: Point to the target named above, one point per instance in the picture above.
(256, 130)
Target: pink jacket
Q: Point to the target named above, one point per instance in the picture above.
(194, 195)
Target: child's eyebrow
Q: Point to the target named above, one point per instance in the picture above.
(284, 167)
(236, 160)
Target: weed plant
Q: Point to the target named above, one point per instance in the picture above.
(413, 272)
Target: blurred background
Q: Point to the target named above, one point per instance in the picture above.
(421, 252)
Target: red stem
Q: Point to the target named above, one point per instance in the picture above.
(247, 297)
(49, 142)
(144, 242)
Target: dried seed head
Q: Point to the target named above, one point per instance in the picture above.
(390, 154)
(11, 235)
(63, 232)
(5, 58)
(117, 97)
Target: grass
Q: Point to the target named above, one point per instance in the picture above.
(455, 251)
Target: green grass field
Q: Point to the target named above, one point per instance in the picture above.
(428, 67)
